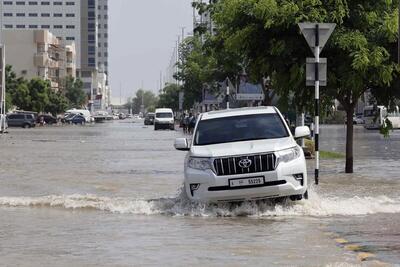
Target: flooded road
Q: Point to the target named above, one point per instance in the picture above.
(109, 195)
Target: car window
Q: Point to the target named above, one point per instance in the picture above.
(164, 115)
(240, 128)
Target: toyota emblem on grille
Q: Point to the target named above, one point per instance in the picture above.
(245, 163)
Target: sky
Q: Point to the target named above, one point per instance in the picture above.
(142, 36)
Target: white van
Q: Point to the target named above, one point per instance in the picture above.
(375, 117)
(164, 118)
(84, 112)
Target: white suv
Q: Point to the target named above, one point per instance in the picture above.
(244, 154)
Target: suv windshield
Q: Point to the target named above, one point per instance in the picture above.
(240, 128)
(164, 115)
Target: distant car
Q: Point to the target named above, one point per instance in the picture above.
(76, 119)
(21, 120)
(358, 119)
(164, 119)
(149, 119)
(122, 116)
(48, 119)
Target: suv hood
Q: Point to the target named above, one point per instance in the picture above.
(242, 148)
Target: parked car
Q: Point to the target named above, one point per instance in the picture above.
(76, 119)
(358, 119)
(244, 154)
(149, 119)
(48, 119)
(164, 118)
(24, 120)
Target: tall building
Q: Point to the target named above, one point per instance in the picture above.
(102, 35)
(60, 17)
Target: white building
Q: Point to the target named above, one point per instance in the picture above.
(61, 17)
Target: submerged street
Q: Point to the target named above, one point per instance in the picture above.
(110, 195)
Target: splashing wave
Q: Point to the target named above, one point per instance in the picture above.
(316, 206)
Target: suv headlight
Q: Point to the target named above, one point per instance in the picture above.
(288, 155)
(199, 163)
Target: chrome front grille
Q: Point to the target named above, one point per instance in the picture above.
(231, 165)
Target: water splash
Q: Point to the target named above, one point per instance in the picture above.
(316, 206)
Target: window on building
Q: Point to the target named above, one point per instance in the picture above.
(58, 15)
(70, 26)
(92, 62)
(106, 16)
(57, 3)
(70, 15)
(33, 26)
(45, 3)
(99, 55)
(91, 27)
(8, 26)
(33, 14)
(91, 38)
(91, 15)
(91, 3)
(70, 38)
(7, 3)
(106, 54)
(45, 15)
(70, 3)
(105, 7)
(20, 3)
(33, 3)
(105, 26)
(45, 26)
(8, 14)
(105, 44)
(91, 50)
(106, 35)
(57, 26)
(20, 26)
(20, 14)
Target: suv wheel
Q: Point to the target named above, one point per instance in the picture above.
(296, 197)
(26, 126)
(155, 127)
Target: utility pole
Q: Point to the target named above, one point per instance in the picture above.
(227, 93)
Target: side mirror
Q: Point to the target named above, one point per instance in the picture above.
(301, 132)
(181, 144)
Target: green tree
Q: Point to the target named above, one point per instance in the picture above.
(39, 91)
(266, 34)
(57, 104)
(147, 98)
(169, 97)
(74, 92)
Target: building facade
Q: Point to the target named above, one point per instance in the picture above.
(60, 17)
(40, 54)
(82, 22)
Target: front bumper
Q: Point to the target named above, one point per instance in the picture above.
(284, 181)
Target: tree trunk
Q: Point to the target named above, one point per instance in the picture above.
(349, 139)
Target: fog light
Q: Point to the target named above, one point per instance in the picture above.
(194, 187)
(299, 177)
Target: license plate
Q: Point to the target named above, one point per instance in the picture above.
(246, 182)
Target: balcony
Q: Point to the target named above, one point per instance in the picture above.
(44, 61)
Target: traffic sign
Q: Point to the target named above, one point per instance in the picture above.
(310, 71)
(313, 38)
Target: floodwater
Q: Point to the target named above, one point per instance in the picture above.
(109, 195)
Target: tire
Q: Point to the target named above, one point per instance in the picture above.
(296, 197)
(83, 123)
(305, 195)
(155, 127)
(26, 126)
(172, 127)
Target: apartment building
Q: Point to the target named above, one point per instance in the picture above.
(60, 17)
(39, 53)
(83, 22)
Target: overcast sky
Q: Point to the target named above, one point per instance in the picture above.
(142, 35)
